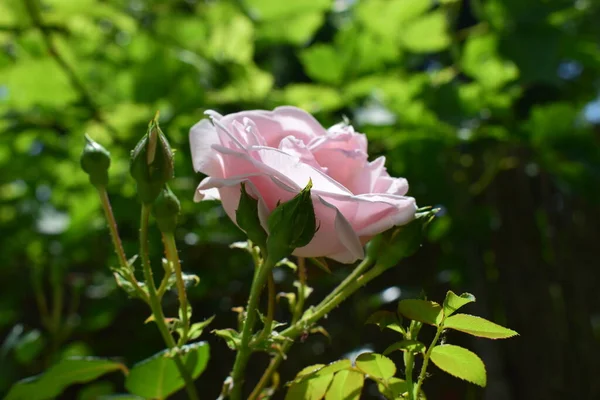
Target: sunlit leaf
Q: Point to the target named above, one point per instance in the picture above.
(346, 385)
(459, 362)
(452, 302)
(478, 326)
(376, 365)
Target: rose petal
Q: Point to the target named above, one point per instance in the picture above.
(346, 233)
(275, 125)
(202, 137)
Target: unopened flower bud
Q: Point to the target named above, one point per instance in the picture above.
(151, 163)
(291, 225)
(95, 161)
(166, 210)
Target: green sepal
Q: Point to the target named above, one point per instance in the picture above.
(291, 225)
(247, 219)
(151, 163)
(166, 210)
(95, 161)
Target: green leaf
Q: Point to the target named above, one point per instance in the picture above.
(231, 336)
(297, 29)
(312, 388)
(397, 387)
(346, 385)
(158, 377)
(275, 9)
(478, 326)
(61, 375)
(427, 34)
(452, 302)
(386, 319)
(311, 97)
(481, 61)
(459, 362)
(309, 370)
(334, 367)
(425, 311)
(29, 346)
(197, 328)
(414, 346)
(385, 17)
(376, 365)
(322, 63)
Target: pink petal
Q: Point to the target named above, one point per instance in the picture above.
(202, 137)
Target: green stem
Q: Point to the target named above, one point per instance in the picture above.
(409, 363)
(278, 358)
(358, 271)
(264, 334)
(118, 246)
(243, 354)
(426, 358)
(155, 306)
(173, 258)
(312, 316)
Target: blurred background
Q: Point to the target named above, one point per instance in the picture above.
(490, 109)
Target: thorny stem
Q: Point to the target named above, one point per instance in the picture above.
(173, 259)
(358, 271)
(270, 311)
(426, 358)
(243, 354)
(116, 239)
(157, 312)
(313, 315)
(278, 358)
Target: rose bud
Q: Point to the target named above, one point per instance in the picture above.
(95, 161)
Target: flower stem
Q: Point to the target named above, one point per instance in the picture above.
(313, 315)
(409, 363)
(116, 239)
(155, 306)
(173, 258)
(270, 311)
(426, 358)
(358, 271)
(278, 358)
(243, 354)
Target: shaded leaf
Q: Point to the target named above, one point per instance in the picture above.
(425, 311)
(386, 319)
(158, 377)
(61, 375)
(413, 346)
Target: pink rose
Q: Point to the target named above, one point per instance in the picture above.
(277, 152)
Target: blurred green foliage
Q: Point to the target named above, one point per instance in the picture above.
(490, 108)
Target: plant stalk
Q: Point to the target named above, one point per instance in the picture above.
(173, 258)
(426, 358)
(118, 246)
(155, 306)
(243, 354)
